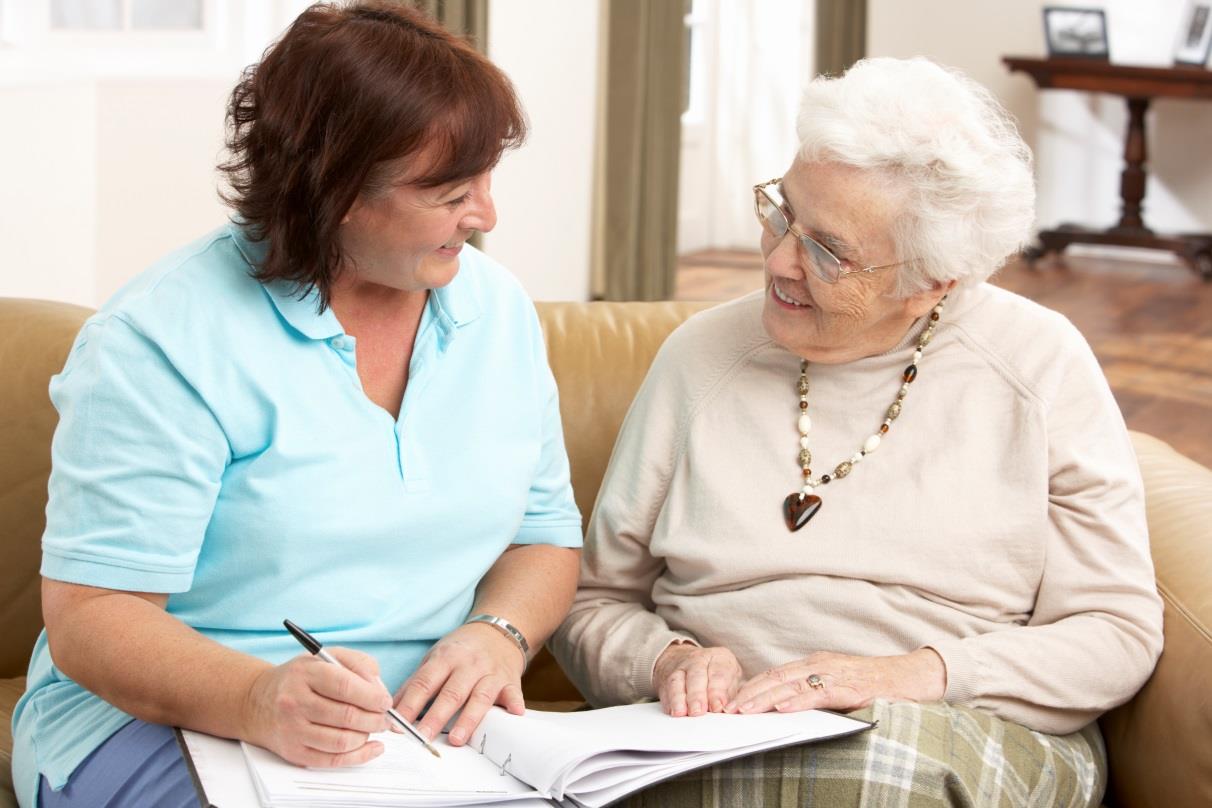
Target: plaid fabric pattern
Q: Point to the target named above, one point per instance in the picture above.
(919, 755)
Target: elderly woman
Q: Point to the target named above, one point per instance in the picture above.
(332, 410)
(879, 485)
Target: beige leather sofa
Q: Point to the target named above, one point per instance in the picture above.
(1160, 743)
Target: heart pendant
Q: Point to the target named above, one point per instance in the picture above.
(798, 511)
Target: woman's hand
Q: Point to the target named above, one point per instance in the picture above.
(471, 668)
(843, 683)
(693, 680)
(311, 713)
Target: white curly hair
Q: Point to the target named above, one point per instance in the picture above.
(945, 146)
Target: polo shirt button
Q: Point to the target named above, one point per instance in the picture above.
(340, 343)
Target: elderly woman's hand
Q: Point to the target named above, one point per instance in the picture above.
(470, 669)
(693, 680)
(841, 682)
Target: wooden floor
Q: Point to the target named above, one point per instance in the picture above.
(1150, 326)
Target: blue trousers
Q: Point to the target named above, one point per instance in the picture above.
(139, 765)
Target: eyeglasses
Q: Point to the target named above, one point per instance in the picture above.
(772, 212)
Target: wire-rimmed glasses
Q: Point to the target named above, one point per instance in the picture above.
(772, 212)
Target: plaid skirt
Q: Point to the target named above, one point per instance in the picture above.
(918, 755)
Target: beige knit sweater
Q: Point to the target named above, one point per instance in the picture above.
(1001, 522)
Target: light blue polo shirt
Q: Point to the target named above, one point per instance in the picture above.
(214, 443)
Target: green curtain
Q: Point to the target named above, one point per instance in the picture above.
(635, 218)
(841, 34)
(467, 18)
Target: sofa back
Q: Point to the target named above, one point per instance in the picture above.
(1160, 743)
(599, 353)
(37, 335)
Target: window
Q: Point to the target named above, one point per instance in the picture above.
(51, 40)
(126, 15)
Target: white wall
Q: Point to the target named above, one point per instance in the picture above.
(1077, 137)
(544, 191)
(108, 159)
(48, 219)
(108, 152)
(751, 62)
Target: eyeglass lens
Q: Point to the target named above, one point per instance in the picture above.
(772, 218)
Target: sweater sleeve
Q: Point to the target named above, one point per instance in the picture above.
(1096, 630)
(612, 637)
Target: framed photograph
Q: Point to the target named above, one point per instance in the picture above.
(1195, 35)
(1076, 33)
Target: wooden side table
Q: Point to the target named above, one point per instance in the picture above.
(1138, 86)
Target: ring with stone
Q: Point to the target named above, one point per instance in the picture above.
(815, 682)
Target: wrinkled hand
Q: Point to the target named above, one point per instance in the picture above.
(471, 668)
(846, 683)
(692, 680)
(312, 713)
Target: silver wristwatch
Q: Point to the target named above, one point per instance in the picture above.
(505, 627)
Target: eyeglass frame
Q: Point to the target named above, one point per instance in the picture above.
(759, 190)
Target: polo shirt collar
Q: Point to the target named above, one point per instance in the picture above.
(457, 304)
(452, 306)
(300, 311)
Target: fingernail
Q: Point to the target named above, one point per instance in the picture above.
(746, 707)
(696, 707)
(457, 736)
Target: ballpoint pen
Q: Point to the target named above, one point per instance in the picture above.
(313, 646)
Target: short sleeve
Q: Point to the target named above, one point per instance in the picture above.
(552, 516)
(137, 460)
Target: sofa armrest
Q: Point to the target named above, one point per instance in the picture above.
(1160, 743)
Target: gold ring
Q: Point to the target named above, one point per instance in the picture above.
(815, 682)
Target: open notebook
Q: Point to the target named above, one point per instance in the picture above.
(576, 759)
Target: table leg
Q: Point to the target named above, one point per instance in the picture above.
(1132, 180)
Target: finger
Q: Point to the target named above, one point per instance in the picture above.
(675, 690)
(343, 715)
(512, 699)
(305, 756)
(482, 697)
(766, 700)
(751, 689)
(808, 701)
(723, 679)
(421, 687)
(696, 687)
(363, 665)
(331, 740)
(338, 684)
(450, 699)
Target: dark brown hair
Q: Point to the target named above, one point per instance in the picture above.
(343, 91)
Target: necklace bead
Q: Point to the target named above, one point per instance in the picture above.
(797, 503)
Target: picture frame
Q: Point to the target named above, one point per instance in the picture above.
(1195, 35)
(1072, 32)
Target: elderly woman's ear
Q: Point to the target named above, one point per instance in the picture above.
(920, 303)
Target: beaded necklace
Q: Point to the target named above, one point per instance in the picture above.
(800, 506)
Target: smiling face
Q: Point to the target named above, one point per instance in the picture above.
(848, 211)
(408, 238)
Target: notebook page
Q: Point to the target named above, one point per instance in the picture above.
(564, 742)
(405, 774)
(535, 752)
